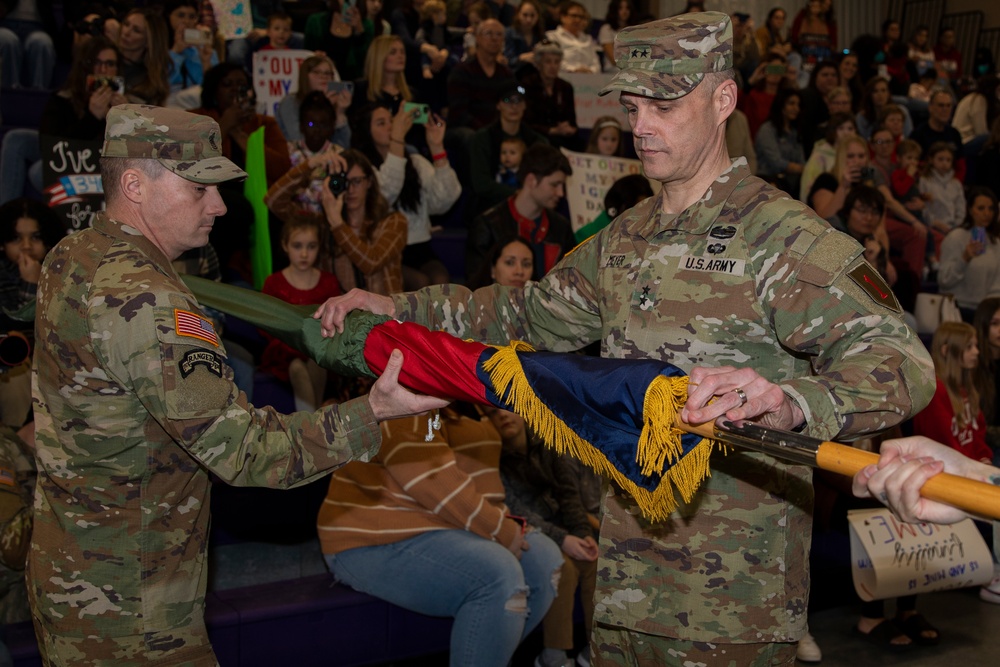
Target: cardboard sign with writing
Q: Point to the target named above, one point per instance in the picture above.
(590, 107)
(234, 18)
(890, 558)
(592, 176)
(275, 75)
(71, 180)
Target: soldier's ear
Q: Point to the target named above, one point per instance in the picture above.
(725, 99)
(132, 185)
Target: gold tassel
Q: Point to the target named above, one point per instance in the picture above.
(659, 443)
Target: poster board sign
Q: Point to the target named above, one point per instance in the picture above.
(276, 74)
(592, 176)
(890, 558)
(590, 107)
(234, 18)
(71, 180)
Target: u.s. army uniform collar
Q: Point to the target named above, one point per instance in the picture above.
(696, 219)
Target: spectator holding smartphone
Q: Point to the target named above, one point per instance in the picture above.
(970, 255)
(317, 74)
(191, 52)
(77, 111)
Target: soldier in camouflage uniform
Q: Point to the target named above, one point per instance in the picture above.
(775, 315)
(135, 406)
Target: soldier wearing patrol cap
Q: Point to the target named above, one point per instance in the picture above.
(777, 318)
(135, 405)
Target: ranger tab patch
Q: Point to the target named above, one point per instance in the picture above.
(194, 326)
(868, 279)
(206, 358)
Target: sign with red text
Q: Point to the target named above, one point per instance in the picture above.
(590, 107)
(592, 176)
(891, 559)
(71, 180)
(275, 75)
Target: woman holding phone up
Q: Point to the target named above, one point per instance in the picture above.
(317, 74)
(414, 186)
(970, 254)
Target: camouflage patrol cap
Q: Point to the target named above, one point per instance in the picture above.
(666, 59)
(187, 144)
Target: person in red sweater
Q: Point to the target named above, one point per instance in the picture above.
(953, 417)
(299, 283)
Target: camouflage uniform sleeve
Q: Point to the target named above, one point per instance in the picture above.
(185, 384)
(561, 312)
(15, 505)
(870, 369)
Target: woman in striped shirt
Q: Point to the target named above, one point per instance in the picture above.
(424, 526)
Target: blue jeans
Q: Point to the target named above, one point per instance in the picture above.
(456, 573)
(20, 159)
(26, 42)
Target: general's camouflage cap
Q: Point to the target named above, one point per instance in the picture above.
(666, 59)
(187, 144)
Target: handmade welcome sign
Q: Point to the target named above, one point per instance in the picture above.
(890, 558)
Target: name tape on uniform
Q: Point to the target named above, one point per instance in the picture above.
(733, 267)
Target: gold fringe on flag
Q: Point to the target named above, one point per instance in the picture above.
(659, 443)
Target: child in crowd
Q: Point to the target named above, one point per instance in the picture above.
(433, 30)
(953, 416)
(945, 208)
(903, 180)
(317, 117)
(921, 89)
(606, 137)
(511, 152)
(279, 31)
(28, 230)
(301, 282)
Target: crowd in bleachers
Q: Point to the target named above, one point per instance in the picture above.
(425, 113)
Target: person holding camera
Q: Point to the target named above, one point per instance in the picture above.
(77, 111)
(191, 52)
(368, 237)
(94, 86)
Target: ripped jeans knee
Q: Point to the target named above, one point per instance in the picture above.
(517, 603)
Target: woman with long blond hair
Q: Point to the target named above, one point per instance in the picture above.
(385, 74)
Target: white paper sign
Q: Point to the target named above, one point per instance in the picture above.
(276, 74)
(234, 18)
(590, 107)
(592, 176)
(890, 558)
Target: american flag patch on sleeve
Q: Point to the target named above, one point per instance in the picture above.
(195, 326)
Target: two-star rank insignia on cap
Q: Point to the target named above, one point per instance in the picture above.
(195, 326)
(868, 279)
